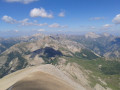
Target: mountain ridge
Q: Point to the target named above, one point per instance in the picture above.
(73, 58)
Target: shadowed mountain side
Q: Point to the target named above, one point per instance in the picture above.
(47, 51)
(40, 81)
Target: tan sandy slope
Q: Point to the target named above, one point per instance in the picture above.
(41, 81)
(37, 73)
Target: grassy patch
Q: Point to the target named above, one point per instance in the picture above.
(111, 75)
(85, 54)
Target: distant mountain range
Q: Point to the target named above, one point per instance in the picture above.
(87, 61)
(105, 45)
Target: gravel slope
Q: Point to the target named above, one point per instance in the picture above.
(50, 70)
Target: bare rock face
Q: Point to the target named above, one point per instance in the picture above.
(36, 52)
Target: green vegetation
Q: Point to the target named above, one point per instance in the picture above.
(2, 49)
(86, 54)
(22, 63)
(111, 68)
(50, 60)
(27, 53)
(6, 44)
(109, 71)
(54, 61)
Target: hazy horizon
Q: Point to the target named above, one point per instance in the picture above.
(27, 17)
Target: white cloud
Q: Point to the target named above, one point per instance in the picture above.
(107, 26)
(40, 12)
(16, 31)
(97, 18)
(41, 30)
(21, 1)
(116, 19)
(61, 14)
(43, 24)
(8, 19)
(24, 22)
(27, 22)
(56, 25)
(92, 27)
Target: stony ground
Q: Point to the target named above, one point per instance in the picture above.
(11, 79)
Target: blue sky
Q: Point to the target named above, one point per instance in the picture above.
(59, 16)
